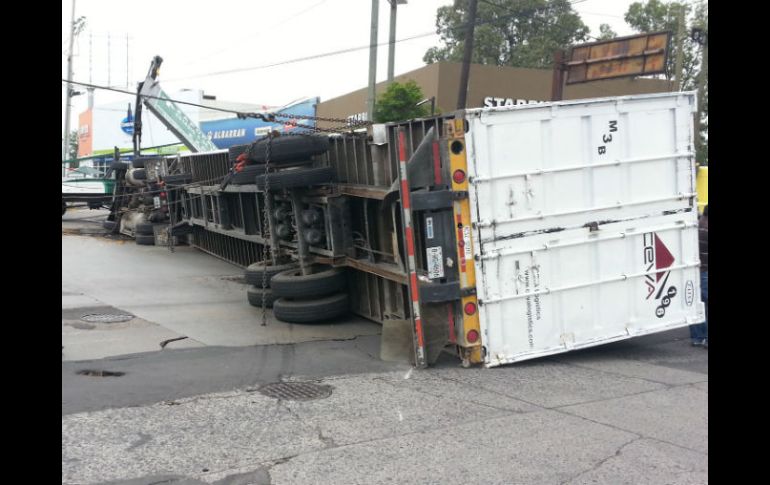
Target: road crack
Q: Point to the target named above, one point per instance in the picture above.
(601, 462)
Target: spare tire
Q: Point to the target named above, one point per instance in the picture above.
(323, 281)
(299, 177)
(311, 311)
(254, 272)
(254, 295)
(139, 174)
(293, 147)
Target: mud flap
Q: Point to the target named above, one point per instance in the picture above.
(436, 328)
(396, 341)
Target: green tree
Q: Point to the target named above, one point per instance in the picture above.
(655, 15)
(518, 33)
(399, 102)
(73, 144)
(73, 150)
(606, 32)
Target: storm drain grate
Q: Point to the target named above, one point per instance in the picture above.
(106, 318)
(296, 391)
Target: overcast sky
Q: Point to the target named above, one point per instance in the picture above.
(197, 38)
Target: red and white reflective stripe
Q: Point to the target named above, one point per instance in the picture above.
(409, 237)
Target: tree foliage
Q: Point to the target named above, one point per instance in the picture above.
(518, 33)
(606, 32)
(399, 102)
(653, 16)
(73, 144)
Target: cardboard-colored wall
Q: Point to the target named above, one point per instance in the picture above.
(443, 81)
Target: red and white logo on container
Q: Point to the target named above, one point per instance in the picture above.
(658, 256)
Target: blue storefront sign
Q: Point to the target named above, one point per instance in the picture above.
(233, 131)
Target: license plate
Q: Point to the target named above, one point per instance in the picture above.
(435, 262)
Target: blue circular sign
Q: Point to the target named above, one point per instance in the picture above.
(127, 125)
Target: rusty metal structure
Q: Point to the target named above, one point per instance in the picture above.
(361, 221)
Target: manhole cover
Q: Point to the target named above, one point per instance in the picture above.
(106, 318)
(99, 373)
(296, 391)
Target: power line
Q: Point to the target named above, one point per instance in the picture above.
(259, 32)
(117, 90)
(299, 59)
(341, 51)
(601, 14)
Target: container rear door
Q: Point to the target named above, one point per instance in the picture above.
(585, 227)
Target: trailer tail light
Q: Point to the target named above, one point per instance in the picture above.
(163, 195)
(470, 308)
(468, 327)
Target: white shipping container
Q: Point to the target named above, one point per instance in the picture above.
(585, 222)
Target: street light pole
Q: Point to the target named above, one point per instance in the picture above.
(66, 146)
(372, 61)
(392, 43)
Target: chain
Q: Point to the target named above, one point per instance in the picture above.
(266, 227)
(171, 218)
(347, 125)
(319, 118)
(271, 117)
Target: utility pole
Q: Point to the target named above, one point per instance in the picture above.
(702, 78)
(372, 61)
(680, 33)
(557, 81)
(66, 147)
(392, 44)
(467, 54)
(109, 64)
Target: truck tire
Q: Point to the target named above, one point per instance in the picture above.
(145, 240)
(254, 295)
(254, 272)
(293, 284)
(180, 179)
(109, 225)
(145, 229)
(248, 175)
(295, 147)
(301, 177)
(235, 151)
(311, 311)
(140, 174)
